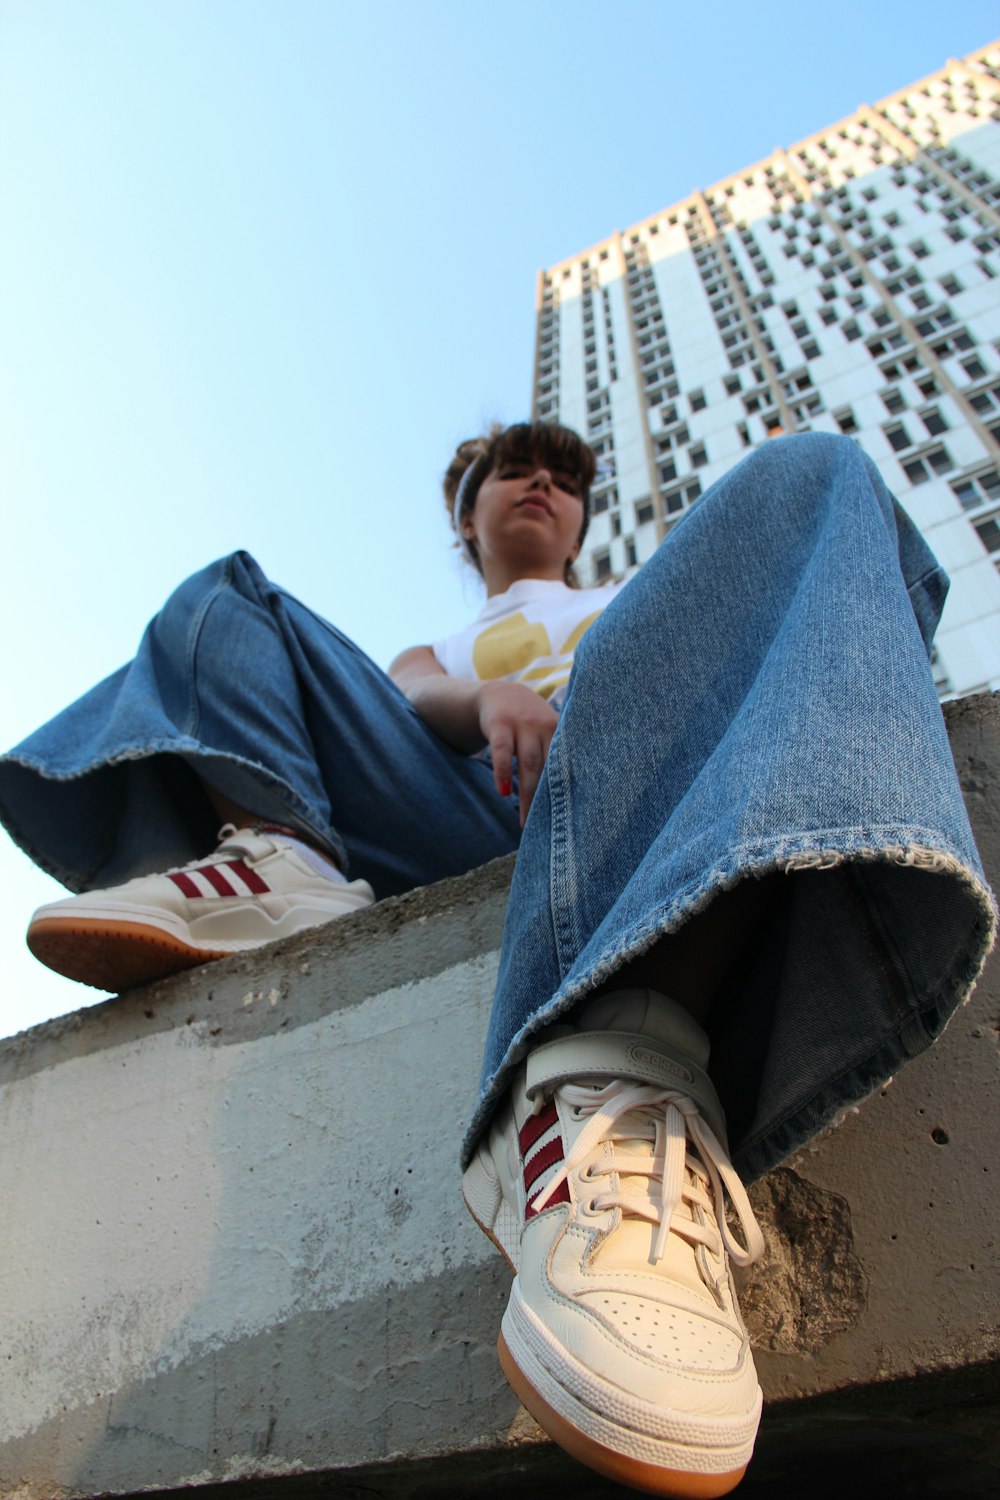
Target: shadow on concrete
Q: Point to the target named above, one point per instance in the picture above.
(927, 1438)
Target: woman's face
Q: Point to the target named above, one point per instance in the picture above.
(527, 513)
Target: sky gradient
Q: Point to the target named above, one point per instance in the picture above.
(264, 265)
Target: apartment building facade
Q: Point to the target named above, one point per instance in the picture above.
(849, 283)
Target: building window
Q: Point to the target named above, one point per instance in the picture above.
(684, 494)
(602, 565)
(732, 384)
(934, 460)
(974, 367)
(933, 421)
(973, 490)
(898, 437)
(698, 456)
(644, 512)
(893, 401)
(986, 402)
(630, 554)
(916, 471)
(697, 400)
(988, 532)
(845, 419)
(939, 459)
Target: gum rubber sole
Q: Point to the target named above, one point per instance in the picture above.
(111, 955)
(634, 1472)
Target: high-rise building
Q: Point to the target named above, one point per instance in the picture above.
(849, 283)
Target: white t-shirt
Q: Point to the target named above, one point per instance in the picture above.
(528, 634)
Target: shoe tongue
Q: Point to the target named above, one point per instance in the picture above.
(631, 1245)
(647, 1013)
(630, 1250)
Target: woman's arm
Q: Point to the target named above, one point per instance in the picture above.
(509, 717)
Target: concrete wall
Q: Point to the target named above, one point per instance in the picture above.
(234, 1256)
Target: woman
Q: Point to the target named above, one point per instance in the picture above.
(748, 837)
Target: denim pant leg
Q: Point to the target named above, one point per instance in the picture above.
(759, 700)
(236, 680)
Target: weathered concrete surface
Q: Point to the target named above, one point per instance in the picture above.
(234, 1257)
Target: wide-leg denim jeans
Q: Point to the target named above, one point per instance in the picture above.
(758, 701)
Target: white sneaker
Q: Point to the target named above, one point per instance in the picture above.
(601, 1180)
(253, 890)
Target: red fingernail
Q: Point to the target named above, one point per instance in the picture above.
(505, 788)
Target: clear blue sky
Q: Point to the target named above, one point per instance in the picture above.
(263, 264)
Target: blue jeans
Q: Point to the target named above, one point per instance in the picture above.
(757, 700)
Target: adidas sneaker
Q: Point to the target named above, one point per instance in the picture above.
(255, 888)
(602, 1181)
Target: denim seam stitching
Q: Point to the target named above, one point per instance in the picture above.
(560, 906)
(194, 640)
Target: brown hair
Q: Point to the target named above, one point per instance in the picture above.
(549, 443)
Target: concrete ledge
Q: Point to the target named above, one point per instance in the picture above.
(235, 1259)
(932, 1436)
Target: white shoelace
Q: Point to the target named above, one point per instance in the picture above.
(639, 1111)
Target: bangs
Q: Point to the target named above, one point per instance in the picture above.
(547, 443)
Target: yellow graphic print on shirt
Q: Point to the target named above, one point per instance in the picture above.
(521, 648)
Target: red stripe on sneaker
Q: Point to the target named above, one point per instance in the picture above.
(221, 882)
(250, 878)
(535, 1126)
(561, 1195)
(551, 1152)
(184, 883)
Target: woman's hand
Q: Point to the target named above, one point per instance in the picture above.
(516, 722)
(507, 716)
